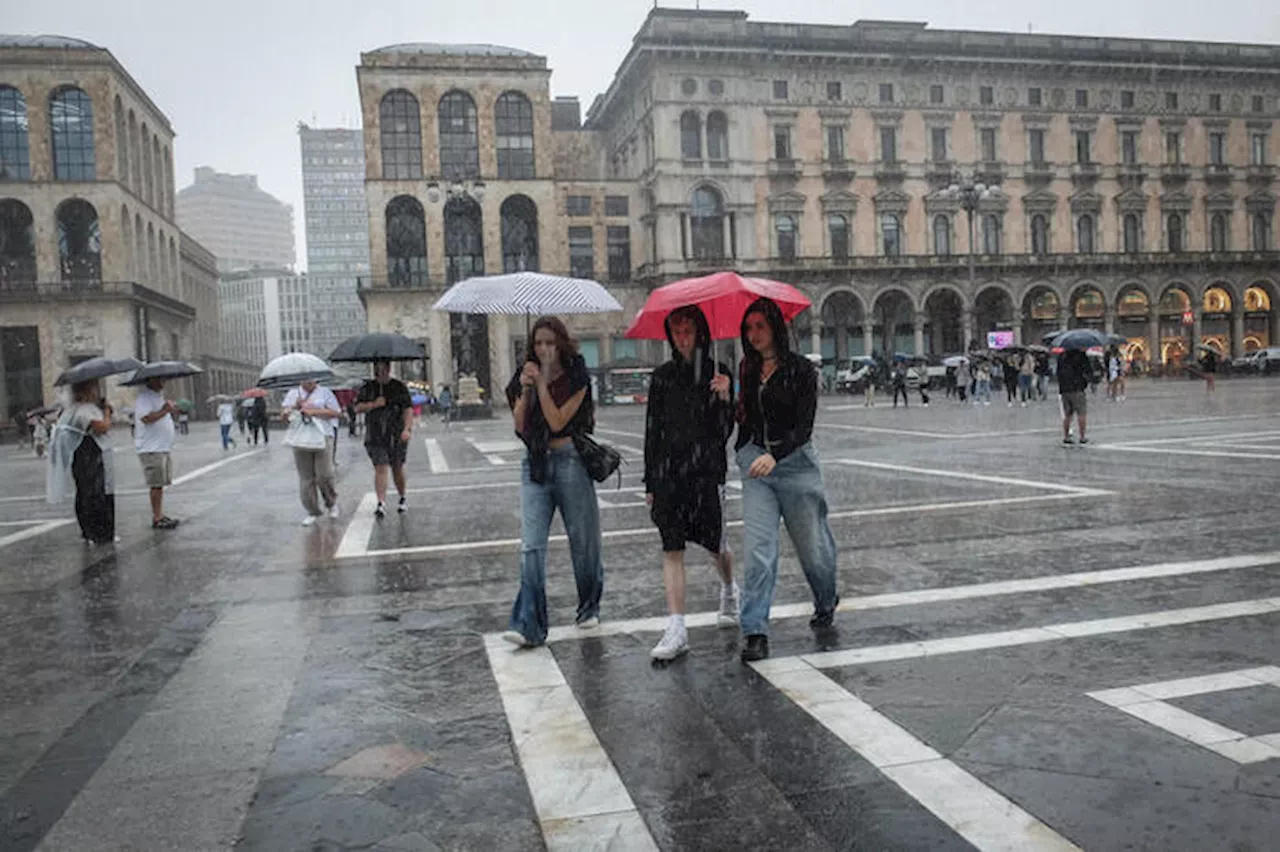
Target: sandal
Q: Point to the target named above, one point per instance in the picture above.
(165, 523)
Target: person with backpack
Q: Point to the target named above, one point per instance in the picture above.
(688, 421)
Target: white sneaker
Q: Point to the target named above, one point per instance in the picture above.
(380, 511)
(589, 623)
(674, 642)
(403, 506)
(515, 637)
(728, 614)
(335, 512)
(309, 521)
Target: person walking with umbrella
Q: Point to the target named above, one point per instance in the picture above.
(781, 476)
(690, 417)
(1073, 380)
(319, 411)
(80, 452)
(153, 440)
(388, 427)
(258, 420)
(550, 399)
(226, 419)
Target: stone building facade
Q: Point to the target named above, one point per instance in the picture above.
(89, 261)
(223, 374)
(1130, 183)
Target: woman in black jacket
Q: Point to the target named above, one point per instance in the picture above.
(687, 424)
(781, 478)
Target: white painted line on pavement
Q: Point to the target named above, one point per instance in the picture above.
(1037, 635)
(1211, 439)
(915, 433)
(201, 471)
(1176, 452)
(973, 810)
(576, 789)
(435, 456)
(976, 477)
(40, 528)
(913, 509)
(947, 594)
(355, 541)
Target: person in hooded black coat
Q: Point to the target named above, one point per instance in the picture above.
(689, 420)
(781, 477)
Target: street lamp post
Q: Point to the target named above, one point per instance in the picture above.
(970, 194)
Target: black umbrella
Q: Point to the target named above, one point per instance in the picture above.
(378, 346)
(97, 368)
(162, 370)
(1080, 338)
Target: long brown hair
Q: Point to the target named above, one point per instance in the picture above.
(566, 346)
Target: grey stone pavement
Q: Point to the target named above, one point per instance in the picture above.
(1039, 647)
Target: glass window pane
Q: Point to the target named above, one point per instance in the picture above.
(15, 156)
(71, 123)
(459, 142)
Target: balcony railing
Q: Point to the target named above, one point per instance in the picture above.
(1259, 173)
(1218, 173)
(1175, 172)
(1038, 170)
(954, 264)
(784, 167)
(1084, 172)
(22, 290)
(891, 170)
(838, 169)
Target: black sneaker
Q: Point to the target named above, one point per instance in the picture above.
(757, 648)
(825, 618)
(1084, 440)
(1068, 441)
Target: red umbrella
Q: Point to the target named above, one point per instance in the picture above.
(253, 393)
(723, 296)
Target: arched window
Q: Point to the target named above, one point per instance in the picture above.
(991, 234)
(400, 132)
(706, 218)
(168, 182)
(459, 144)
(135, 156)
(1261, 232)
(173, 262)
(1218, 232)
(126, 231)
(122, 144)
(79, 241)
(690, 136)
(519, 234)
(1132, 240)
(1084, 234)
(463, 239)
(71, 127)
(1175, 232)
(717, 137)
(838, 230)
(15, 155)
(17, 244)
(891, 234)
(140, 254)
(785, 229)
(148, 190)
(1039, 235)
(941, 236)
(406, 243)
(158, 165)
(513, 127)
(153, 262)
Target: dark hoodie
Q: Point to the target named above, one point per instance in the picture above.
(686, 423)
(778, 415)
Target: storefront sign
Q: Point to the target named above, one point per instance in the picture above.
(999, 339)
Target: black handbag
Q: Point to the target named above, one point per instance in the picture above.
(601, 459)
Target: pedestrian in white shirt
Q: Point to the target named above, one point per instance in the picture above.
(226, 419)
(318, 405)
(153, 439)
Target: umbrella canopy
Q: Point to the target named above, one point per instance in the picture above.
(220, 397)
(184, 405)
(955, 361)
(97, 368)
(378, 346)
(527, 293)
(723, 296)
(293, 369)
(1212, 347)
(43, 410)
(1080, 338)
(253, 393)
(246, 403)
(162, 370)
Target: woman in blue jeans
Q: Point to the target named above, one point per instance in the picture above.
(780, 475)
(550, 399)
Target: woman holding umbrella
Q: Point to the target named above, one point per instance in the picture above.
(550, 399)
(780, 474)
(80, 452)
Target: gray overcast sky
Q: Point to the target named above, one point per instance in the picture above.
(236, 76)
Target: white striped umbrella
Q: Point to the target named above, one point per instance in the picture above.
(527, 293)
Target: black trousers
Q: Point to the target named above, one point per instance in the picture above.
(899, 389)
(95, 508)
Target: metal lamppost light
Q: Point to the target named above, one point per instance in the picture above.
(970, 194)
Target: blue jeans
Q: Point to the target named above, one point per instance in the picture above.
(226, 434)
(983, 393)
(569, 487)
(793, 493)
(1024, 387)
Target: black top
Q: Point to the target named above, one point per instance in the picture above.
(686, 423)
(1073, 371)
(778, 414)
(535, 431)
(382, 426)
